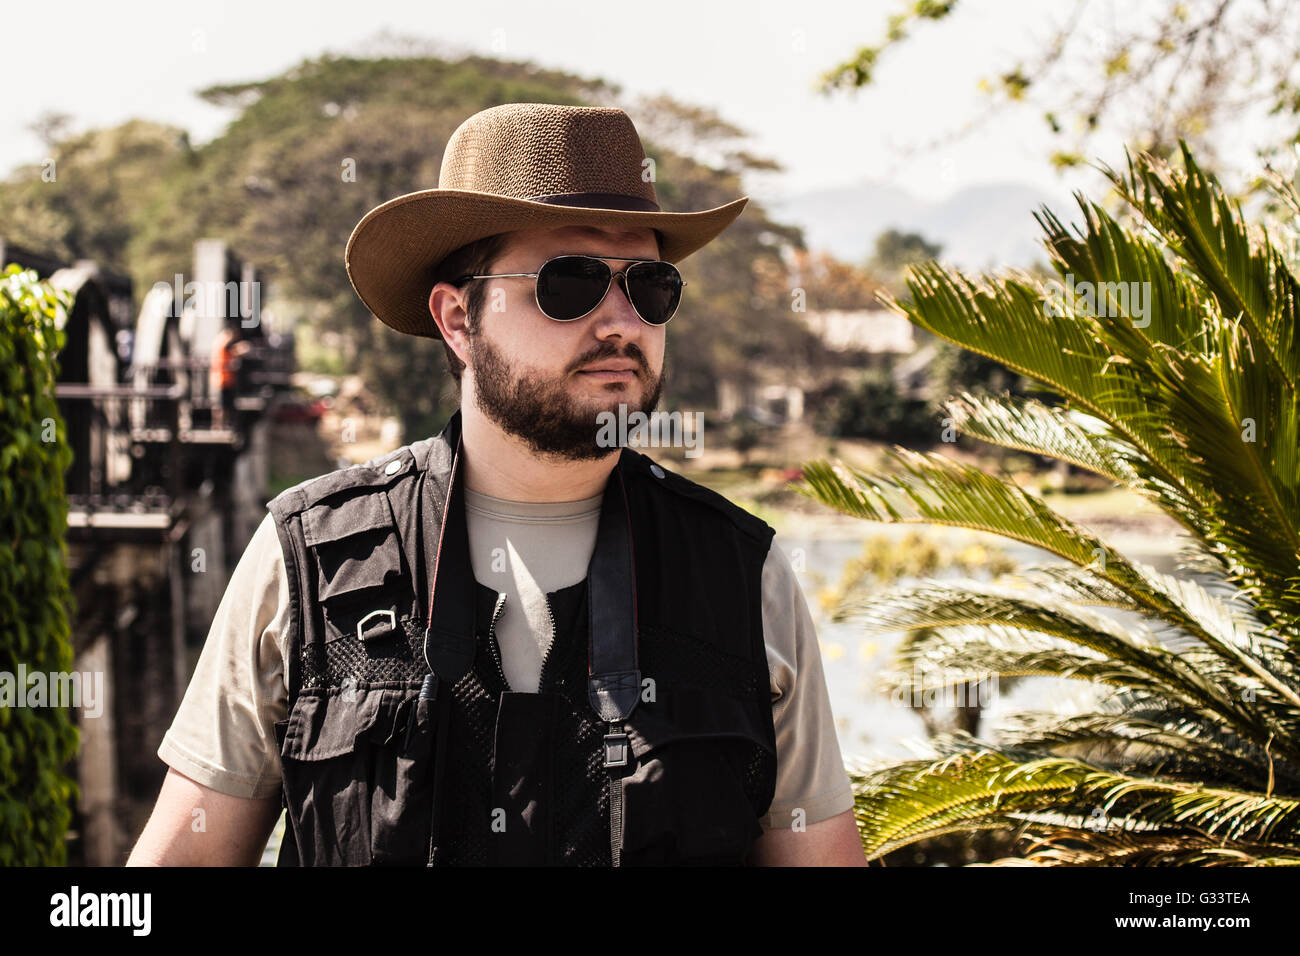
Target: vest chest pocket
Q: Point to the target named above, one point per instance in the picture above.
(703, 770)
(357, 785)
(361, 584)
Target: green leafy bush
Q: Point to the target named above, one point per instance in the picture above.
(36, 743)
(871, 407)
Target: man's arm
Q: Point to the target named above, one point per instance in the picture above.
(812, 787)
(194, 825)
(834, 841)
(221, 796)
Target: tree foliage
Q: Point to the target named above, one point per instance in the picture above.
(896, 250)
(1154, 75)
(310, 151)
(87, 198)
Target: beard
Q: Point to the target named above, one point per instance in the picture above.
(540, 411)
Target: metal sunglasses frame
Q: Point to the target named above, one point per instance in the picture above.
(612, 276)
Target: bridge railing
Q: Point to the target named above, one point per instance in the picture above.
(117, 466)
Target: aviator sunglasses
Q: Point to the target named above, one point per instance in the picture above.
(570, 287)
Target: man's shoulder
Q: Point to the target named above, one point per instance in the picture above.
(702, 499)
(375, 473)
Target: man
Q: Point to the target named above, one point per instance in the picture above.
(513, 643)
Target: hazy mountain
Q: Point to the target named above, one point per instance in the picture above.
(979, 226)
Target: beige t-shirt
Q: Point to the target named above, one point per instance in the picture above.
(223, 735)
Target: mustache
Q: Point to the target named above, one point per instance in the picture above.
(609, 350)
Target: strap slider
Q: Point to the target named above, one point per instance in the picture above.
(617, 749)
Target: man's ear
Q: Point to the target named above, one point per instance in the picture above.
(447, 306)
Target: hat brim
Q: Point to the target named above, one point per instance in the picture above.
(395, 248)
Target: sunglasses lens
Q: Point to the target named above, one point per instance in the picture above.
(568, 287)
(655, 289)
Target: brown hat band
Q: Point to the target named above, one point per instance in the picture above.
(598, 201)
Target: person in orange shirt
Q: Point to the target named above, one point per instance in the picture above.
(227, 348)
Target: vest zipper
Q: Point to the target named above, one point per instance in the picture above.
(492, 642)
(615, 783)
(546, 657)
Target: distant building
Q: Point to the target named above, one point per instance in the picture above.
(768, 401)
(778, 395)
(876, 330)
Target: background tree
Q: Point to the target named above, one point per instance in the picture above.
(88, 197)
(895, 251)
(1149, 75)
(310, 151)
(826, 282)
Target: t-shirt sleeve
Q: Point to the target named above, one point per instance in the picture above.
(223, 735)
(810, 772)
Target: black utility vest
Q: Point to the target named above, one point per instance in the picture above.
(649, 740)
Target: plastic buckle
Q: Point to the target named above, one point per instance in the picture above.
(616, 749)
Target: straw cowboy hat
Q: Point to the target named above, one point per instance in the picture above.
(515, 166)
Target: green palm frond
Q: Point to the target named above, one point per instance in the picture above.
(1201, 365)
(972, 661)
(1237, 431)
(1178, 362)
(1077, 585)
(1168, 741)
(955, 603)
(1207, 230)
(933, 489)
(1033, 426)
(1209, 440)
(1198, 409)
(1131, 278)
(1063, 847)
(983, 656)
(919, 799)
(1011, 318)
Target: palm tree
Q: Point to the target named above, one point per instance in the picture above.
(1191, 753)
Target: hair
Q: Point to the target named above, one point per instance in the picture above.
(477, 258)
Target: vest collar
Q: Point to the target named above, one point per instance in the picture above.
(614, 680)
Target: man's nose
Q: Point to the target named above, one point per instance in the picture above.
(615, 314)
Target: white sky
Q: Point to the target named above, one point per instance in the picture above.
(118, 60)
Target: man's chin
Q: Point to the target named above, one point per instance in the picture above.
(608, 399)
(631, 392)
